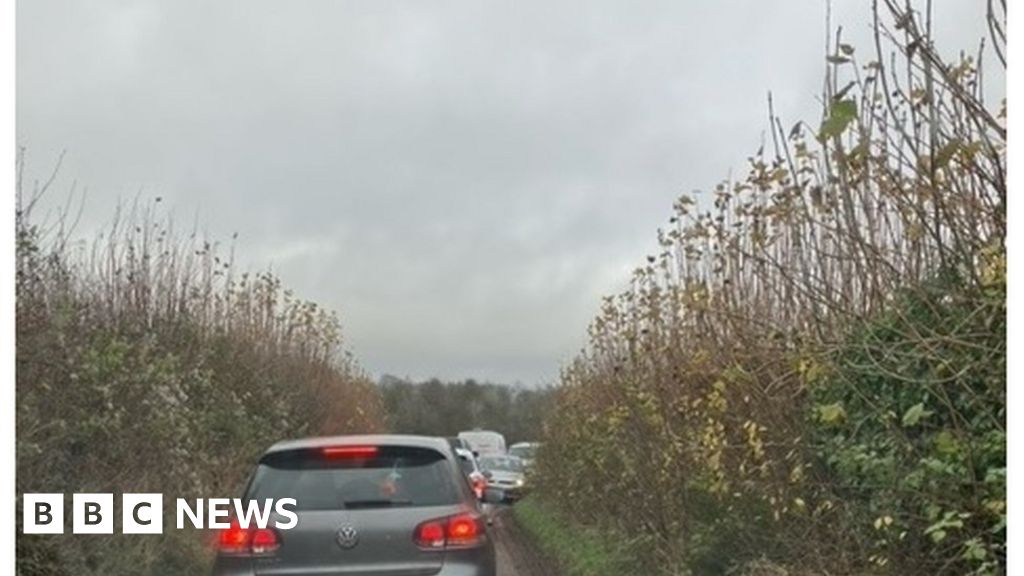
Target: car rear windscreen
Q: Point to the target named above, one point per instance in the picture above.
(388, 477)
(501, 463)
(522, 451)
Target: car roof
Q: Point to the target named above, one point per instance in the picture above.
(439, 444)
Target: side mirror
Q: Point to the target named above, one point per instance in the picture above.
(492, 496)
(488, 474)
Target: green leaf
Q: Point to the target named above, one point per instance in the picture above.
(947, 444)
(842, 113)
(974, 550)
(950, 520)
(914, 415)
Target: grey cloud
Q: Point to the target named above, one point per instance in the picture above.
(461, 180)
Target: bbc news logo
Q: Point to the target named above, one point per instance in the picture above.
(144, 513)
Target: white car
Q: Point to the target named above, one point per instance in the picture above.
(484, 442)
(475, 476)
(471, 469)
(525, 451)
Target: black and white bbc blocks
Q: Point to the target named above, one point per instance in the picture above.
(93, 513)
(142, 514)
(43, 514)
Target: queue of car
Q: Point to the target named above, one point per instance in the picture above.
(505, 471)
(378, 504)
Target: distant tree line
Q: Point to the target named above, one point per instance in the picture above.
(441, 408)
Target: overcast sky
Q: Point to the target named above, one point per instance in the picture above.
(462, 181)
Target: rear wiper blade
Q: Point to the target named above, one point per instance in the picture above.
(376, 503)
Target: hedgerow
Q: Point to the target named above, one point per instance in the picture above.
(146, 363)
(810, 376)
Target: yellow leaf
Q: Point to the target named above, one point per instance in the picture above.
(832, 413)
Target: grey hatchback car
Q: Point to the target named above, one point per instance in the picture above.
(366, 505)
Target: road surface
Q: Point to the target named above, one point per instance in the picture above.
(517, 553)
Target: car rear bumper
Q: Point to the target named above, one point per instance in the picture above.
(509, 493)
(478, 561)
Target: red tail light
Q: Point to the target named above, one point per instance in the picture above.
(459, 531)
(238, 540)
(234, 540)
(463, 530)
(479, 485)
(265, 541)
(430, 534)
(357, 452)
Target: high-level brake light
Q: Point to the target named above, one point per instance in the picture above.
(354, 452)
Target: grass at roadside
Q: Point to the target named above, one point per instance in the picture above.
(579, 551)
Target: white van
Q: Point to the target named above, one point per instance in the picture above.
(484, 442)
